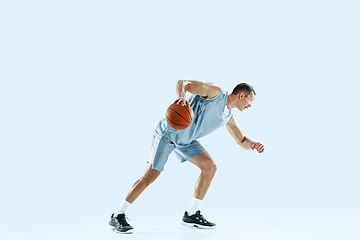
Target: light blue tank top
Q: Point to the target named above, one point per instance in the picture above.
(209, 115)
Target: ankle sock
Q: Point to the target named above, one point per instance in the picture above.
(122, 208)
(194, 206)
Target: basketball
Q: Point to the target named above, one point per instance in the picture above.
(179, 116)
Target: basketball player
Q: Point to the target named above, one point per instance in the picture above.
(212, 109)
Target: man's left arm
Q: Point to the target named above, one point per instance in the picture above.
(241, 139)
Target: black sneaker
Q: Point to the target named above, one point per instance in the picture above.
(196, 220)
(119, 224)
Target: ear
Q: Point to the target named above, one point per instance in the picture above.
(241, 95)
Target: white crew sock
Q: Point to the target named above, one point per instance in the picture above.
(195, 205)
(122, 208)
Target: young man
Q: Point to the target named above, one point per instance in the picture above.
(212, 109)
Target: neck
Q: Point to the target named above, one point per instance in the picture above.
(230, 101)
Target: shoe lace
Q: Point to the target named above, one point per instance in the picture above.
(122, 220)
(199, 216)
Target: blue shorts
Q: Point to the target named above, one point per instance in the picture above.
(162, 147)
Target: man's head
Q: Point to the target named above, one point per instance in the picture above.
(244, 96)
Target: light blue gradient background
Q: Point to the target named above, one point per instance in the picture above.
(84, 83)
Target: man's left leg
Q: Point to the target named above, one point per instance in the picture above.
(208, 168)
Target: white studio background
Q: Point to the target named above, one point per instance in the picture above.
(84, 83)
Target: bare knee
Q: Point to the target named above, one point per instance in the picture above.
(150, 176)
(209, 169)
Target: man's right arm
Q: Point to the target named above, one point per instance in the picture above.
(203, 89)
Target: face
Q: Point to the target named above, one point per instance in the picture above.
(244, 101)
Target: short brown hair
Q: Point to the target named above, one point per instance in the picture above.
(243, 87)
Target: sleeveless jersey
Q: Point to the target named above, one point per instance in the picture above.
(209, 115)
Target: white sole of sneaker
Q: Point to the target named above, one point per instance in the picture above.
(113, 228)
(194, 225)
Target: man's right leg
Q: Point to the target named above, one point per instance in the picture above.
(160, 151)
(142, 183)
(118, 220)
(138, 187)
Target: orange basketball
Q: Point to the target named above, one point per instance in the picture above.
(179, 116)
